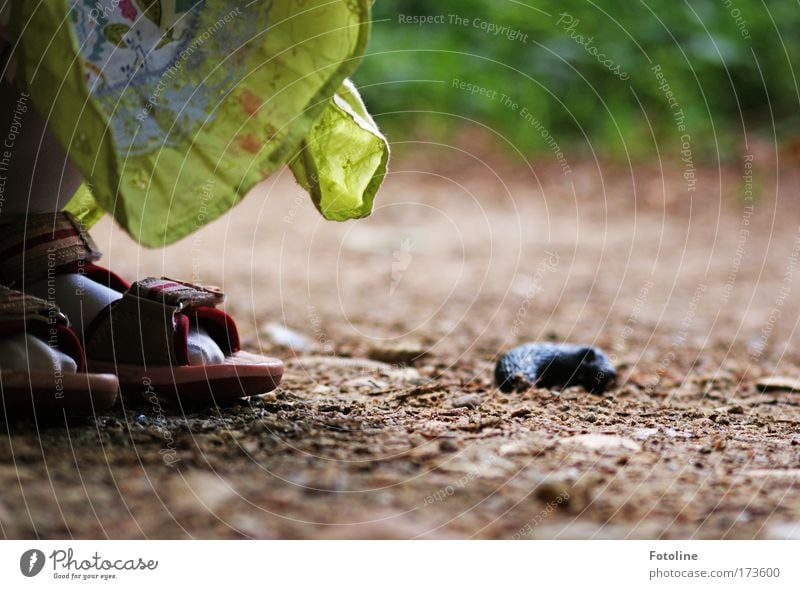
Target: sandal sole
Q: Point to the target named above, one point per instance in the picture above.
(242, 375)
(43, 393)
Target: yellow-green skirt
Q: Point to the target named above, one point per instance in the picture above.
(174, 109)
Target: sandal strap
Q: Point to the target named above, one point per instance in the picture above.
(177, 294)
(150, 324)
(40, 244)
(16, 306)
(133, 330)
(20, 312)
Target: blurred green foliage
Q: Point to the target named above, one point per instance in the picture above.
(730, 65)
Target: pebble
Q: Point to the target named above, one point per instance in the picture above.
(447, 445)
(609, 444)
(479, 462)
(645, 433)
(516, 449)
(778, 383)
(288, 338)
(554, 492)
(366, 382)
(471, 401)
(783, 473)
(404, 375)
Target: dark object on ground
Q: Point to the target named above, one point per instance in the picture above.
(555, 366)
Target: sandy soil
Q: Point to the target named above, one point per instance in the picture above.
(387, 424)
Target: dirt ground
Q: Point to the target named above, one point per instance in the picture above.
(387, 424)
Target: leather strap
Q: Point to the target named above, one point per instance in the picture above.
(134, 330)
(149, 325)
(20, 312)
(17, 306)
(36, 246)
(177, 293)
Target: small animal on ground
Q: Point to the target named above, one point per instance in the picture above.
(547, 365)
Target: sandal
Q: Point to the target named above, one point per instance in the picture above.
(48, 392)
(143, 336)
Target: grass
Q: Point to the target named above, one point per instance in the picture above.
(728, 64)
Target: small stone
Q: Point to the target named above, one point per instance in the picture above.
(555, 492)
(403, 375)
(603, 443)
(470, 401)
(783, 473)
(447, 445)
(645, 433)
(521, 412)
(288, 338)
(778, 383)
(366, 383)
(516, 449)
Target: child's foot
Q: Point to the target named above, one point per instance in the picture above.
(158, 336)
(25, 353)
(40, 360)
(82, 299)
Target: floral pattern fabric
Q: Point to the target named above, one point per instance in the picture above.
(175, 109)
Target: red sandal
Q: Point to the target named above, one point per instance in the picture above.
(48, 392)
(143, 337)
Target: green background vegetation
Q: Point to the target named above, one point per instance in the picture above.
(724, 83)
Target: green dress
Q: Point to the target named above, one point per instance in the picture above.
(174, 109)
